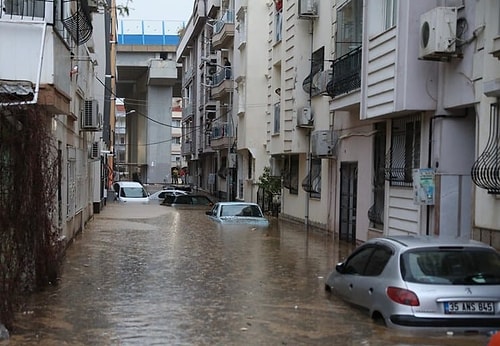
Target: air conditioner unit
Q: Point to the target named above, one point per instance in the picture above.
(324, 143)
(304, 117)
(90, 115)
(438, 33)
(308, 8)
(95, 151)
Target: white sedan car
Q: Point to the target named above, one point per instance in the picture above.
(238, 213)
(160, 195)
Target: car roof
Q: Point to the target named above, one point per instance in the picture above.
(237, 203)
(128, 183)
(416, 241)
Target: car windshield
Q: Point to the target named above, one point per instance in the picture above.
(240, 210)
(134, 192)
(457, 266)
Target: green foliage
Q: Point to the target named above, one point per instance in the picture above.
(268, 182)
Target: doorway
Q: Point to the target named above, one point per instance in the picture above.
(348, 193)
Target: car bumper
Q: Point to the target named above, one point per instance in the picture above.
(466, 323)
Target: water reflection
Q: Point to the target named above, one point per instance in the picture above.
(155, 275)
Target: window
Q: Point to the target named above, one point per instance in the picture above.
(242, 30)
(376, 211)
(278, 19)
(349, 27)
(291, 174)
(404, 154)
(312, 182)
(277, 118)
(463, 266)
(310, 83)
(356, 264)
(250, 164)
(390, 8)
(25, 8)
(378, 261)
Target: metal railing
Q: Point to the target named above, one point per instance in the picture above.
(346, 73)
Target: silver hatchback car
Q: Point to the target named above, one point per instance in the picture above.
(424, 282)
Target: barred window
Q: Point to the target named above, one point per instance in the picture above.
(24, 8)
(291, 174)
(404, 154)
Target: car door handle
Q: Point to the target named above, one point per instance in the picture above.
(370, 291)
(350, 286)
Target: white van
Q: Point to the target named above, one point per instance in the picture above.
(130, 191)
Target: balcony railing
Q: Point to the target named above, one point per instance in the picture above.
(346, 74)
(221, 130)
(26, 10)
(219, 77)
(149, 32)
(228, 17)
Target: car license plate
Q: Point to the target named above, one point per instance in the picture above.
(469, 308)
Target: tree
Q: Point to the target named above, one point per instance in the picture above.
(268, 182)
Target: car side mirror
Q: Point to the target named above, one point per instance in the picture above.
(208, 212)
(340, 268)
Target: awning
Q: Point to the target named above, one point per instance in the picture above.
(16, 91)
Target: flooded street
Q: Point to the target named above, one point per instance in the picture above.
(155, 275)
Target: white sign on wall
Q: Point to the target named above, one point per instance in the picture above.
(424, 186)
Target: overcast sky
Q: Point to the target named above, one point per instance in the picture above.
(178, 10)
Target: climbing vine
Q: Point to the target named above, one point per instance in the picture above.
(28, 192)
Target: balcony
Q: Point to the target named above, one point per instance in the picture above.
(187, 110)
(222, 83)
(221, 136)
(187, 148)
(346, 74)
(224, 31)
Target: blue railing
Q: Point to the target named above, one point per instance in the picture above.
(149, 32)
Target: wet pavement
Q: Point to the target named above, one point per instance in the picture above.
(156, 275)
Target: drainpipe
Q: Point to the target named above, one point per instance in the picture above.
(308, 155)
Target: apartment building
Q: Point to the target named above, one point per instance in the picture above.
(418, 123)
(55, 60)
(380, 116)
(177, 160)
(208, 123)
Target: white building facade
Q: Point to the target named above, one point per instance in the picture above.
(63, 65)
(381, 117)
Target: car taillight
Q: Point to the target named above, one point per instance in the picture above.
(402, 296)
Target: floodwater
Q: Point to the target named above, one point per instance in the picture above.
(156, 275)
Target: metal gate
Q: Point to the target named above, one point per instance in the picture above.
(348, 193)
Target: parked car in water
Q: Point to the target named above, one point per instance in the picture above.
(179, 187)
(188, 200)
(238, 213)
(447, 284)
(130, 191)
(160, 195)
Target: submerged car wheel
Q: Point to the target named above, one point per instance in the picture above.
(378, 318)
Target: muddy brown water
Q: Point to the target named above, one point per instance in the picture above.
(156, 275)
